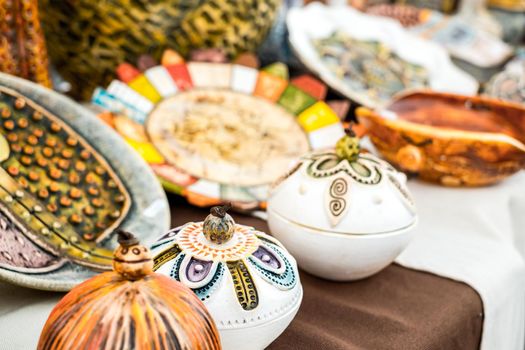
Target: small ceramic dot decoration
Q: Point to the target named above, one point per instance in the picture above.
(226, 131)
(342, 213)
(64, 189)
(247, 280)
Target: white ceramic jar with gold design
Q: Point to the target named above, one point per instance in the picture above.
(343, 214)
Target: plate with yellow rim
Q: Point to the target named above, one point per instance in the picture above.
(225, 131)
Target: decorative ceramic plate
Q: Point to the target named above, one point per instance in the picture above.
(66, 183)
(369, 59)
(226, 131)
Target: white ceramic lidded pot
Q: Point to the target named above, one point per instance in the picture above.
(247, 280)
(344, 215)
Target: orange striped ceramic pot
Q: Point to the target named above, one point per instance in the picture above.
(130, 308)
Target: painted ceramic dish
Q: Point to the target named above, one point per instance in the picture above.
(383, 49)
(247, 279)
(222, 132)
(343, 214)
(369, 66)
(454, 140)
(510, 83)
(130, 308)
(64, 189)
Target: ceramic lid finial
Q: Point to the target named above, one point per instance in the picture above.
(126, 239)
(348, 146)
(219, 226)
(131, 259)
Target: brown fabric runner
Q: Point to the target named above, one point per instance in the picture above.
(398, 308)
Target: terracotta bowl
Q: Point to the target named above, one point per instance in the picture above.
(450, 139)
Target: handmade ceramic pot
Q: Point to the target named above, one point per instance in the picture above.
(450, 139)
(344, 215)
(87, 39)
(130, 308)
(67, 182)
(246, 279)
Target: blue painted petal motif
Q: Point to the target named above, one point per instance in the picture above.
(271, 263)
(206, 291)
(203, 277)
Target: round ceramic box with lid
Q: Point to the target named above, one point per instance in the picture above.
(343, 214)
(247, 280)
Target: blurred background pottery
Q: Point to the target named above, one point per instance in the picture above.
(451, 139)
(88, 39)
(130, 308)
(509, 84)
(247, 279)
(22, 45)
(359, 55)
(343, 214)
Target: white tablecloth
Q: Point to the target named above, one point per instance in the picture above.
(477, 236)
(472, 235)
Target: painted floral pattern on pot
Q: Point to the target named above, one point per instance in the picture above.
(246, 278)
(188, 255)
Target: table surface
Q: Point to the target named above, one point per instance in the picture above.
(398, 308)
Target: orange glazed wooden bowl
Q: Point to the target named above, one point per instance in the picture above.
(130, 308)
(451, 139)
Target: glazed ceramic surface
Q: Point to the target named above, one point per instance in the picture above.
(65, 187)
(343, 215)
(130, 308)
(247, 279)
(450, 139)
(97, 42)
(227, 131)
(23, 47)
(442, 74)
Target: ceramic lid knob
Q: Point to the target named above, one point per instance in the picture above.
(132, 260)
(348, 146)
(219, 226)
